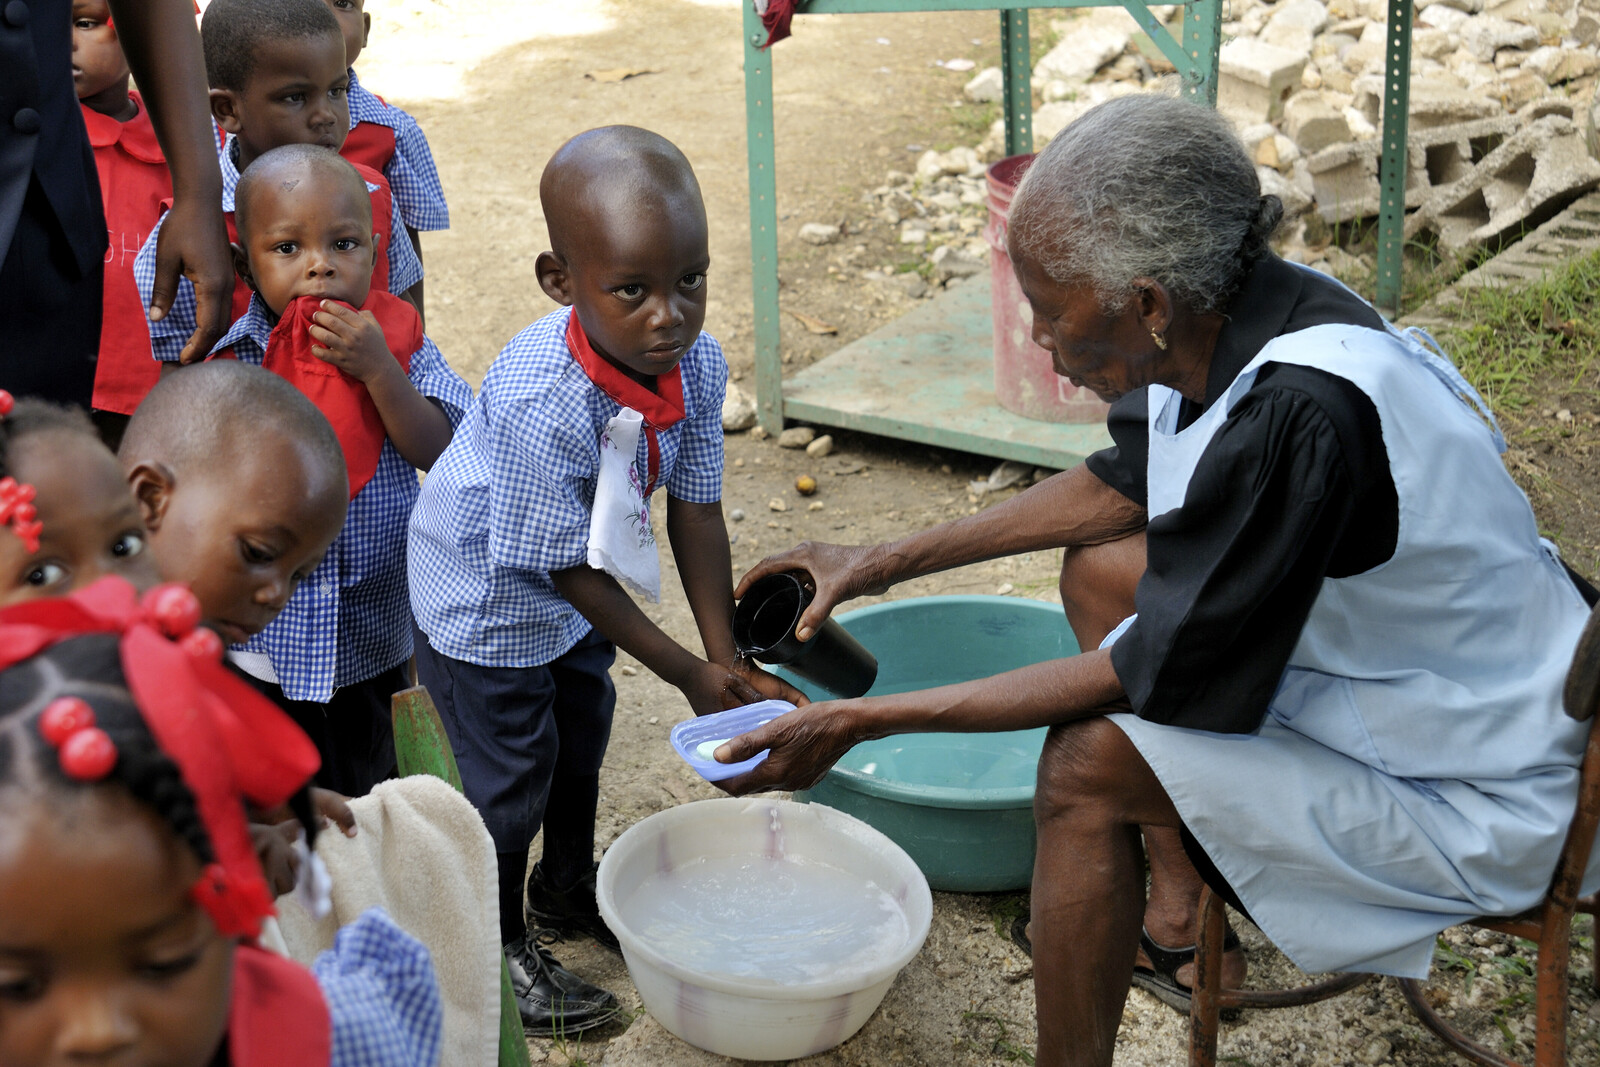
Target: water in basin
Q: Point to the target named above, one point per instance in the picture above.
(766, 918)
(955, 761)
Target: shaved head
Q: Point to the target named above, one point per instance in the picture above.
(293, 168)
(615, 173)
(198, 418)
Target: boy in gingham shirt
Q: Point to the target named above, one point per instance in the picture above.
(534, 513)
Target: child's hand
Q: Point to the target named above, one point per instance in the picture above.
(770, 686)
(713, 687)
(352, 341)
(274, 847)
(331, 807)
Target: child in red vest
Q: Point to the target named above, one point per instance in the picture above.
(387, 139)
(134, 181)
(130, 893)
(278, 77)
(338, 650)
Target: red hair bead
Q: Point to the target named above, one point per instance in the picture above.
(202, 643)
(6, 401)
(64, 717)
(88, 755)
(172, 608)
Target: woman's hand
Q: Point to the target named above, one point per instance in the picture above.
(838, 573)
(334, 808)
(274, 847)
(804, 743)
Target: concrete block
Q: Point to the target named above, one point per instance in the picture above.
(1369, 50)
(1558, 65)
(1312, 123)
(1345, 180)
(1086, 45)
(1484, 35)
(988, 86)
(1255, 79)
(1295, 202)
(1294, 24)
(1534, 173)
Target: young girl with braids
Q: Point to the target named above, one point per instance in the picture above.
(78, 521)
(130, 895)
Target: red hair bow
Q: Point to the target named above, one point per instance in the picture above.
(231, 744)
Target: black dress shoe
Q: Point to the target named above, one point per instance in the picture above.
(551, 999)
(568, 911)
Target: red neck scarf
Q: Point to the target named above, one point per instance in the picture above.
(231, 744)
(277, 1016)
(345, 401)
(661, 409)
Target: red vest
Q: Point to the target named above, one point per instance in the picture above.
(134, 183)
(277, 1016)
(370, 144)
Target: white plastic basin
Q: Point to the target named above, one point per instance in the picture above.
(762, 929)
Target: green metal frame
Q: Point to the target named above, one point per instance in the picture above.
(1195, 58)
(1392, 163)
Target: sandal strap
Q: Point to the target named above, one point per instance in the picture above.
(1164, 960)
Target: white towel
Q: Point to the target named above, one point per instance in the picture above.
(621, 542)
(421, 853)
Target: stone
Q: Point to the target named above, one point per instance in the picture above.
(1312, 124)
(1466, 7)
(1591, 127)
(1484, 35)
(1368, 51)
(1373, 1050)
(819, 233)
(1534, 173)
(1295, 202)
(1442, 17)
(1558, 65)
(1087, 44)
(736, 515)
(759, 432)
(1294, 24)
(962, 161)
(796, 437)
(951, 262)
(1345, 179)
(913, 235)
(1255, 80)
(988, 86)
(911, 284)
(1051, 118)
(738, 410)
(1432, 43)
(820, 447)
(1360, 128)
(1522, 89)
(1440, 104)
(930, 165)
(1586, 29)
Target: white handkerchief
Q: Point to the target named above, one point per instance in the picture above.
(621, 542)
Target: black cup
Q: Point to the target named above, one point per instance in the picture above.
(763, 627)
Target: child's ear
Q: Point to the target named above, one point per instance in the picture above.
(554, 278)
(152, 484)
(224, 108)
(366, 28)
(241, 265)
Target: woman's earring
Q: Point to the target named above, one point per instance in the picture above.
(1161, 342)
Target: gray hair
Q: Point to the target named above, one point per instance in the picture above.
(1145, 186)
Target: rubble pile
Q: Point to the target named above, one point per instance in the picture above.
(1503, 120)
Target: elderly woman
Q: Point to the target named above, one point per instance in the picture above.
(1326, 640)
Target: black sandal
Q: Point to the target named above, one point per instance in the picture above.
(1160, 979)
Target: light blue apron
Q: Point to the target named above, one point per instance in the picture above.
(1415, 768)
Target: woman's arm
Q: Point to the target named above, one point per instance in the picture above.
(1071, 508)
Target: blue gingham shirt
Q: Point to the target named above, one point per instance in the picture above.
(509, 500)
(350, 619)
(382, 995)
(413, 178)
(168, 336)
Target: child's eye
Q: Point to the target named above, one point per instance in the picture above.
(128, 545)
(84, 24)
(25, 988)
(347, 244)
(629, 292)
(165, 969)
(294, 98)
(285, 248)
(46, 574)
(255, 555)
(692, 281)
(337, 91)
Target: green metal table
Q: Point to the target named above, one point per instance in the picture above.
(929, 376)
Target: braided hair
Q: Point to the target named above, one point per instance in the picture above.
(30, 416)
(90, 667)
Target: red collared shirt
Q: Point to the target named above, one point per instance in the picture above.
(134, 181)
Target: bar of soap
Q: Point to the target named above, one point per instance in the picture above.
(706, 750)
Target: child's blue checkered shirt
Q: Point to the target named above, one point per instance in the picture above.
(413, 178)
(509, 500)
(350, 619)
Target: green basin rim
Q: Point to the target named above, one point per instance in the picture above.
(941, 796)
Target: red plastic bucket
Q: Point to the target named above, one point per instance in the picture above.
(1025, 381)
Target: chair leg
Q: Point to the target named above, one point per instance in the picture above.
(1444, 1031)
(1205, 1010)
(1554, 981)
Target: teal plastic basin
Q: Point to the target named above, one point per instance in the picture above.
(960, 804)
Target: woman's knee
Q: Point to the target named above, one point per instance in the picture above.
(1077, 768)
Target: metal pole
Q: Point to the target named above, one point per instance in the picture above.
(763, 222)
(1392, 163)
(1016, 66)
(1202, 45)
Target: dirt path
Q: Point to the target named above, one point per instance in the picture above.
(498, 86)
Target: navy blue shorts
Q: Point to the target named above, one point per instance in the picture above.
(512, 728)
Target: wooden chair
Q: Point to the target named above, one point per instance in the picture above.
(421, 747)
(1549, 925)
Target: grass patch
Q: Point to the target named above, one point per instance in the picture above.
(1502, 338)
(1003, 1047)
(1004, 910)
